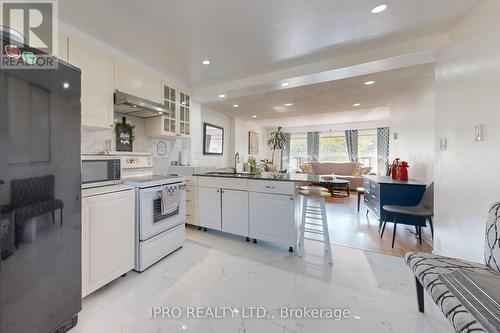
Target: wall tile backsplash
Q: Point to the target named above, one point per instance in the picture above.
(163, 150)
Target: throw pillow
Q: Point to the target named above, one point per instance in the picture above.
(360, 170)
(307, 168)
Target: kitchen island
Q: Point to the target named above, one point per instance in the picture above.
(264, 207)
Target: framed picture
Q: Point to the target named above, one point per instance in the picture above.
(253, 143)
(213, 139)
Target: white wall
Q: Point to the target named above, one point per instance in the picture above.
(468, 93)
(202, 115)
(412, 117)
(240, 142)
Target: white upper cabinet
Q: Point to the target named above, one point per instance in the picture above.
(97, 84)
(177, 121)
(133, 81)
(184, 115)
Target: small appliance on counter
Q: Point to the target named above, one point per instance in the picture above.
(100, 170)
(160, 209)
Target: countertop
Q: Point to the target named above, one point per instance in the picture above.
(90, 192)
(389, 180)
(285, 177)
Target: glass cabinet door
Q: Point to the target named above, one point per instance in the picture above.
(184, 114)
(169, 120)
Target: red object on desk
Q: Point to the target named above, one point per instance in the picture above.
(403, 171)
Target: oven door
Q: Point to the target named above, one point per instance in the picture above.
(151, 222)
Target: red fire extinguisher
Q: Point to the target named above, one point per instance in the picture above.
(403, 171)
(395, 169)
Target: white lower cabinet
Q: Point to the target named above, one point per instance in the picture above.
(107, 238)
(235, 212)
(192, 201)
(209, 206)
(272, 218)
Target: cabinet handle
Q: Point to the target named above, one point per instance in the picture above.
(270, 187)
(291, 198)
(188, 215)
(217, 191)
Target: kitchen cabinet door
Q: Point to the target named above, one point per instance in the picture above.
(107, 238)
(97, 84)
(134, 81)
(235, 212)
(209, 207)
(272, 218)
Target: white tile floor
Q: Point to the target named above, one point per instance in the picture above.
(217, 270)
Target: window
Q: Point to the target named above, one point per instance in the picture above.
(367, 149)
(333, 148)
(298, 151)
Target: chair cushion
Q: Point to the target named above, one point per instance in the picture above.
(427, 268)
(492, 246)
(409, 210)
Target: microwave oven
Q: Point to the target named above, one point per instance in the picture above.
(98, 170)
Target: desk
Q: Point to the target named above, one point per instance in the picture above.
(383, 190)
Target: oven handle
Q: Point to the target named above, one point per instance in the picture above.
(182, 187)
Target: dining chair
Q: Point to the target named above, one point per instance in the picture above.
(422, 212)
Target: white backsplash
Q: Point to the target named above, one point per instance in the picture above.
(96, 141)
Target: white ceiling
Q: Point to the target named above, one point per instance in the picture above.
(327, 97)
(244, 38)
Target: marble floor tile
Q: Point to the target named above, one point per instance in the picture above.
(214, 270)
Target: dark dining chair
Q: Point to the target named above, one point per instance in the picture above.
(31, 197)
(422, 213)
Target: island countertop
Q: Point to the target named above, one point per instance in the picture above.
(286, 177)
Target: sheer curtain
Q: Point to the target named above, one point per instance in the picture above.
(285, 156)
(382, 149)
(313, 146)
(351, 139)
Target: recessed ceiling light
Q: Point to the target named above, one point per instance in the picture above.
(288, 104)
(65, 85)
(206, 62)
(369, 83)
(235, 105)
(222, 96)
(159, 112)
(357, 104)
(254, 116)
(379, 9)
(285, 84)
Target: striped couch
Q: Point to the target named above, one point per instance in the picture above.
(427, 268)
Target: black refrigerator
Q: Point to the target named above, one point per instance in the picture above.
(40, 197)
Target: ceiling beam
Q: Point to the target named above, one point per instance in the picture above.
(409, 53)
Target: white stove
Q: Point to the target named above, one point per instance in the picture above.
(158, 232)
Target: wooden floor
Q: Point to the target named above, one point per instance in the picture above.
(349, 228)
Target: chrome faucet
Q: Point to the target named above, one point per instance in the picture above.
(236, 161)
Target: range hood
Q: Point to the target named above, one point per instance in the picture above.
(138, 107)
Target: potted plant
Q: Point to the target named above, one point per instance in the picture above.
(276, 141)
